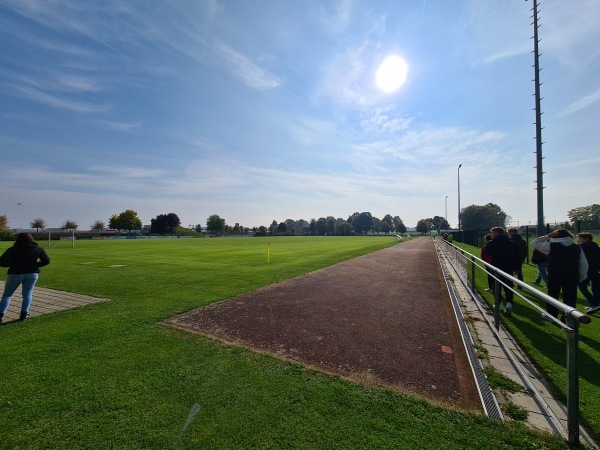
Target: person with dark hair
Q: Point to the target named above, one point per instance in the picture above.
(592, 254)
(23, 260)
(488, 259)
(505, 256)
(567, 267)
(513, 235)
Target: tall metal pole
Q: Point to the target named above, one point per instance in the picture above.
(538, 126)
(446, 209)
(459, 166)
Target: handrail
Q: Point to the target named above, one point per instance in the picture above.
(573, 318)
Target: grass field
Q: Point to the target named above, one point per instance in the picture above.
(110, 376)
(545, 344)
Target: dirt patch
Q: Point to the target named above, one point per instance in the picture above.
(381, 319)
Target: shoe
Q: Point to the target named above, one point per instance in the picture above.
(1, 316)
(508, 311)
(488, 290)
(23, 316)
(592, 309)
(537, 283)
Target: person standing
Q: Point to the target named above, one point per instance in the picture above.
(541, 261)
(23, 260)
(567, 267)
(505, 256)
(513, 235)
(592, 255)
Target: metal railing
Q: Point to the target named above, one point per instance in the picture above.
(460, 260)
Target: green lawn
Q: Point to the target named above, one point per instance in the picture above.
(110, 376)
(545, 344)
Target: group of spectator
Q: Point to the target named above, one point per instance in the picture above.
(563, 266)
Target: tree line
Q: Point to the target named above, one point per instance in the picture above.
(473, 217)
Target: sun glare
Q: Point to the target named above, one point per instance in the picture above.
(391, 74)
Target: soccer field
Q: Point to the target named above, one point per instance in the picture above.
(196, 270)
(109, 375)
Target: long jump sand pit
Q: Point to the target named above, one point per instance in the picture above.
(381, 319)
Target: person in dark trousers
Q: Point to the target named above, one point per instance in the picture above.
(23, 260)
(505, 256)
(592, 255)
(567, 267)
(487, 259)
(541, 261)
(513, 235)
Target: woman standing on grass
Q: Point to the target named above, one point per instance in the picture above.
(23, 260)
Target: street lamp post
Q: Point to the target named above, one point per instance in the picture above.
(459, 166)
(446, 209)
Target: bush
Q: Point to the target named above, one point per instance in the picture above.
(7, 235)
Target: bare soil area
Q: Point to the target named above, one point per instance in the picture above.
(381, 319)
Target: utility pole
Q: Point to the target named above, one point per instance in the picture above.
(538, 125)
(458, 170)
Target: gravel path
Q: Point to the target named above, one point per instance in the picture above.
(381, 319)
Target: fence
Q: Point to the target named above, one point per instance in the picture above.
(466, 264)
(476, 237)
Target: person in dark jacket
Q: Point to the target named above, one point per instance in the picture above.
(567, 267)
(23, 260)
(513, 235)
(505, 256)
(592, 254)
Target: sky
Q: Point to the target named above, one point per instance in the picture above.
(268, 110)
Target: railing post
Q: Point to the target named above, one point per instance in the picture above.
(497, 301)
(572, 380)
(473, 271)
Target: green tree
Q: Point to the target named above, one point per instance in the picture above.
(165, 223)
(589, 216)
(98, 226)
(127, 220)
(399, 225)
(37, 224)
(362, 222)
(115, 222)
(69, 225)
(330, 228)
(376, 225)
(477, 217)
(385, 227)
(437, 223)
(390, 221)
(282, 228)
(423, 226)
(344, 229)
(312, 227)
(6, 234)
(215, 224)
(321, 226)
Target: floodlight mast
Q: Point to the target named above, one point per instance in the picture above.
(538, 125)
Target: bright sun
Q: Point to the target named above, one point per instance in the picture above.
(391, 73)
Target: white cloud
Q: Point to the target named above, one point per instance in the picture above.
(55, 101)
(310, 131)
(581, 103)
(244, 68)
